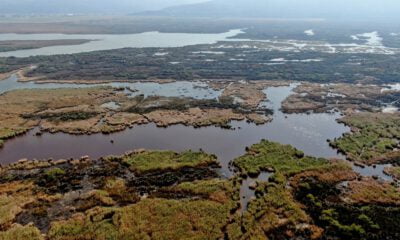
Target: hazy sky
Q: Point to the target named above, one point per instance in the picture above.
(86, 6)
(332, 9)
(215, 8)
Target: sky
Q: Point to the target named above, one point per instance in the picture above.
(215, 8)
(330, 9)
(86, 6)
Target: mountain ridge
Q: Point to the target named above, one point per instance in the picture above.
(344, 9)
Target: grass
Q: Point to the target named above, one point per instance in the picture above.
(278, 202)
(274, 212)
(359, 209)
(330, 216)
(6, 133)
(54, 173)
(373, 139)
(148, 219)
(274, 209)
(330, 174)
(13, 196)
(117, 190)
(393, 171)
(18, 232)
(70, 116)
(300, 200)
(206, 187)
(172, 219)
(218, 190)
(282, 158)
(167, 160)
(97, 223)
(156, 218)
(373, 192)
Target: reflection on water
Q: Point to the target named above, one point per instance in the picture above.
(307, 132)
(226, 144)
(114, 41)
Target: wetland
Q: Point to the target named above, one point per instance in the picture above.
(208, 137)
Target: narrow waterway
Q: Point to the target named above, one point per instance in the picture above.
(307, 132)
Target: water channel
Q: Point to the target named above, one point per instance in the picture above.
(307, 132)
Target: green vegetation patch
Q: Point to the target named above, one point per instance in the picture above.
(273, 212)
(172, 219)
(148, 219)
(219, 190)
(333, 173)
(18, 232)
(8, 209)
(13, 197)
(7, 133)
(71, 116)
(206, 187)
(364, 210)
(370, 191)
(97, 223)
(167, 160)
(393, 171)
(374, 139)
(282, 158)
(54, 173)
(118, 191)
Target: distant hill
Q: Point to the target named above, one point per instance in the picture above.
(329, 9)
(85, 6)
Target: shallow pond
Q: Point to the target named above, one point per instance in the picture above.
(114, 41)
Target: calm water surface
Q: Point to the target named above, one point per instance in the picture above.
(306, 132)
(114, 41)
